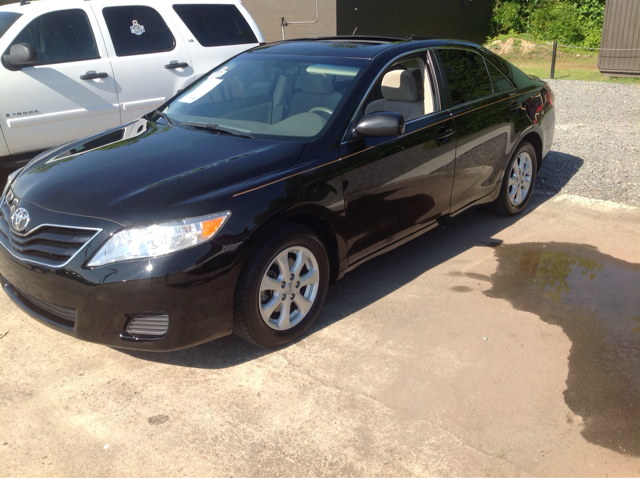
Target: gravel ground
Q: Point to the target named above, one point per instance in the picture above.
(596, 148)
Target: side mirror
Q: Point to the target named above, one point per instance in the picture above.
(381, 124)
(21, 55)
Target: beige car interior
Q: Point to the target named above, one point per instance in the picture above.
(403, 90)
(317, 92)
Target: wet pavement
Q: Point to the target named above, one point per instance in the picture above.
(595, 298)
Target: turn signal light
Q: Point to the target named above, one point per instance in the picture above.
(209, 228)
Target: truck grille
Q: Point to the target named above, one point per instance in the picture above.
(49, 245)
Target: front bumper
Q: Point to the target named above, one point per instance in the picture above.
(193, 287)
(199, 310)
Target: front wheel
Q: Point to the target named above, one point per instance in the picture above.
(281, 288)
(518, 183)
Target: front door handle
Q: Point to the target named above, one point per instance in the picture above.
(174, 64)
(92, 75)
(443, 134)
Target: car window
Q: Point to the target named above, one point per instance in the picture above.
(60, 37)
(6, 20)
(499, 81)
(401, 89)
(216, 25)
(466, 74)
(138, 30)
(285, 97)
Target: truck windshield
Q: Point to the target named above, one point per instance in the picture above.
(269, 95)
(6, 20)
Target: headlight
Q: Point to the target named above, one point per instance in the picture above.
(10, 179)
(158, 239)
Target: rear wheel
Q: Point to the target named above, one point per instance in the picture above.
(281, 288)
(518, 183)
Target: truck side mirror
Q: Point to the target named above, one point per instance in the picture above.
(21, 55)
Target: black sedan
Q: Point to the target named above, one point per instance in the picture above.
(232, 207)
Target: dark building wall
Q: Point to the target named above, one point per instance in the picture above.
(620, 46)
(455, 19)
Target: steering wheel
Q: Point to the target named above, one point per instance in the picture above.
(321, 109)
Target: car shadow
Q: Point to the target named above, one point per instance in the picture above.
(383, 275)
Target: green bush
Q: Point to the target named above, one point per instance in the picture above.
(558, 21)
(573, 22)
(507, 18)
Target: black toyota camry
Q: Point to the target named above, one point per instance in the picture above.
(233, 206)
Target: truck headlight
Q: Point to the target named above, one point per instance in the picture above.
(158, 239)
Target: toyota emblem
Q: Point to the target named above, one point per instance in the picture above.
(20, 219)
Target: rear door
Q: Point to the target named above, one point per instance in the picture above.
(484, 120)
(69, 93)
(150, 60)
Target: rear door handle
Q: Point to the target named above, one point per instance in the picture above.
(443, 134)
(92, 75)
(174, 64)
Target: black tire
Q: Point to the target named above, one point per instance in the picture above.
(248, 323)
(504, 204)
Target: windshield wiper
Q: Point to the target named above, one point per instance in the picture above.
(162, 115)
(220, 129)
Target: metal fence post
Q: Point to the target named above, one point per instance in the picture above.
(553, 59)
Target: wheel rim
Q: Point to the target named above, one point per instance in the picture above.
(288, 288)
(520, 179)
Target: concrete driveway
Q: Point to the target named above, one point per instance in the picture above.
(492, 347)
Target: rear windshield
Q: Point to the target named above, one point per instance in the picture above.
(275, 96)
(216, 25)
(6, 20)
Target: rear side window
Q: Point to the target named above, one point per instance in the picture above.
(499, 81)
(60, 37)
(466, 74)
(6, 20)
(137, 30)
(216, 25)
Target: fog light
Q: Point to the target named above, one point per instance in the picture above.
(153, 325)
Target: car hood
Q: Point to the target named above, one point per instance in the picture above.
(147, 172)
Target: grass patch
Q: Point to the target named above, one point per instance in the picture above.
(535, 59)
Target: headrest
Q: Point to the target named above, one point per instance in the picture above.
(400, 85)
(315, 83)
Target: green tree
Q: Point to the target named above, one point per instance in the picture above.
(574, 22)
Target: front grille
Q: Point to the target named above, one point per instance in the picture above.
(53, 313)
(65, 314)
(49, 245)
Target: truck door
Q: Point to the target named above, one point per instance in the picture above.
(68, 93)
(150, 60)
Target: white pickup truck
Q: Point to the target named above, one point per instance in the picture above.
(71, 68)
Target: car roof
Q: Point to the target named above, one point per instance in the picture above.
(364, 47)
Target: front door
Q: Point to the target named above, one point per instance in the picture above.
(69, 93)
(394, 186)
(150, 60)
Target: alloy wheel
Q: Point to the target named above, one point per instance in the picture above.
(520, 179)
(288, 288)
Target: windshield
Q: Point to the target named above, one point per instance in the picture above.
(284, 96)
(6, 20)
